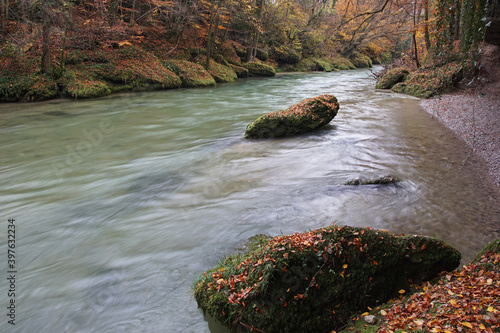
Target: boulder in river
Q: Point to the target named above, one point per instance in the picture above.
(393, 76)
(308, 115)
(258, 68)
(315, 281)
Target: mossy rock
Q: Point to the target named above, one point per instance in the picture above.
(314, 281)
(341, 63)
(16, 87)
(429, 82)
(393, 76)
(261, 55)
(84, 88)
(190, 73)
(491, 248)
(257, 68)
(360, 60)
(285, 55)
(383, 180)
(308, 115)
(132, 65)
(323, 65)
(241, 72)
(221, 73)
(41, 87)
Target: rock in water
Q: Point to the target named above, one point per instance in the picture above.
(308, 115)
(315, 281)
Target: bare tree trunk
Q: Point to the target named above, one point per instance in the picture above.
(4, 10)
(252, 51)
(415, 22)
(46, 56)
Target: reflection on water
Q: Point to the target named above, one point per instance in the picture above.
(121, 202)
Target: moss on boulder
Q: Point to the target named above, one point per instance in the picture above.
(308, 115)
(286, 55)
(258, 68)
(341, 63)
(360, 60)
(134, 66)
(221, 73)
(428, 82)
(241, 72)
(190, 73)
(393, 76)
(314, 281)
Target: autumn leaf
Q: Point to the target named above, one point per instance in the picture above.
(466, 324)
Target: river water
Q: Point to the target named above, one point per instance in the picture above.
(121, 202)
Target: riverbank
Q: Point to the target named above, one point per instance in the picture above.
(475, 115)
(475, 119)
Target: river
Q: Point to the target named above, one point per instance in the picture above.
(121, 202)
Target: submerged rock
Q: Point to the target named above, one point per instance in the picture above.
(377, 181)
(308, 115)
(314, 281)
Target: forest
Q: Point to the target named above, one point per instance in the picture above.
(92, 48)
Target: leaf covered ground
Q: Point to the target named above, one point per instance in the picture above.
(466, 300)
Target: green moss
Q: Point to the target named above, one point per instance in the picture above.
(241, 72)
(393, 76)
(285, 55)
(492, 247)
(315, 281)
(258, 68)
(308, 115)
(341, 63)
(221, 73)
(136, 67)
(428, 82)
(15, 87)
(191, 74)
(360, 60)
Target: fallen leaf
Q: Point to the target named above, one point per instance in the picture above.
(466, 324)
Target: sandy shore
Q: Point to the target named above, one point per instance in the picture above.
(476, 119)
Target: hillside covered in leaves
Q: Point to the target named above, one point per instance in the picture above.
(91, 48)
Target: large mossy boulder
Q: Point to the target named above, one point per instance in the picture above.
(429, 82)
(314, 281)
(393, 76)
(308, 115)
(258, 68)
(191, 74)
(221, 73)
(133, 66)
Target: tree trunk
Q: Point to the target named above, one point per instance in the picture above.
(112, 11)
(414, 35)
(252, 51)
(211, 37)
(46, 56)
(4, 10)
(426, 27)
(458, 10)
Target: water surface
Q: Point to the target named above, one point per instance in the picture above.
(120, 202)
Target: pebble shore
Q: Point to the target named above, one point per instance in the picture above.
(474, 118)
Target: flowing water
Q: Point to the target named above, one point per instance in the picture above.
(121, 202)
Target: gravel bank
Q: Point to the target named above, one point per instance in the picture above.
(476, 120)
